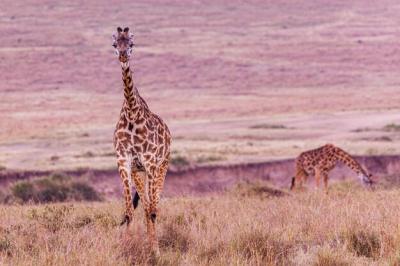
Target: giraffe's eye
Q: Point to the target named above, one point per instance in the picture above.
(131, 45)
(114, 45)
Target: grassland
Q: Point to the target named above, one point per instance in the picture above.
(249, 225)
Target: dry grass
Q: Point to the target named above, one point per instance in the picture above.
(350, 226)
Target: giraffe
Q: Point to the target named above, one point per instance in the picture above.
(142, 145)
(322, 160)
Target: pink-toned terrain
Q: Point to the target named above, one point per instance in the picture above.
(237, 82)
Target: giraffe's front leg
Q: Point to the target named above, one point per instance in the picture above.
(143, 186)
(123, 169)
(317, 177)
(152, 212)
(156, 185)
(325, 178)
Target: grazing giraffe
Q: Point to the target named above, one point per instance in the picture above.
(322, 160)
(142, 144)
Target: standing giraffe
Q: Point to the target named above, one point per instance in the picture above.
(322, 160)
(142, 144)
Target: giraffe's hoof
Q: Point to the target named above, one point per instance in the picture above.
(126, 220)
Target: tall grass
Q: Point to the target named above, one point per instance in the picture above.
(350, 226)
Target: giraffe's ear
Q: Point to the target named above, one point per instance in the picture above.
(119, 29)
(126, 29)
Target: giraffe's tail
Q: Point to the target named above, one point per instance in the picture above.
(293, 183)
(135, 201)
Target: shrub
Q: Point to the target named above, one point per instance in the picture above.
(49, 191)
(392, 127)
(267, 126)
(54, 158)
(207, 159)
(23, 190)
(179, 161)
(256, 189)
(82, 191)
(55, 188)
(59, 177)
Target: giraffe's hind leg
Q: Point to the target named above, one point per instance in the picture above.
(317, 177)
(321, 173)
(325, 179)
(299, 179)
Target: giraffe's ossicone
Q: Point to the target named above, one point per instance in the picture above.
(142, 145)
(321, 161)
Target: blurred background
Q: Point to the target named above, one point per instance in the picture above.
(242, 84)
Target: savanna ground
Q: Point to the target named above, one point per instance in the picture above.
(249, 225)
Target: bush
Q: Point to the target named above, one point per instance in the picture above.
(267, 126)
(392, 127)
(50, 191)
(179, 161)
(56, 188)
(82, 191)
(257, 189)
(59, 177)
(208, 159)
(23, 190)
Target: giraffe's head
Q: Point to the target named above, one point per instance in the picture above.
(366, 178)
(123, 44)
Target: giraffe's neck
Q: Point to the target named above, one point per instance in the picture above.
(346, 158)
(131, 94)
